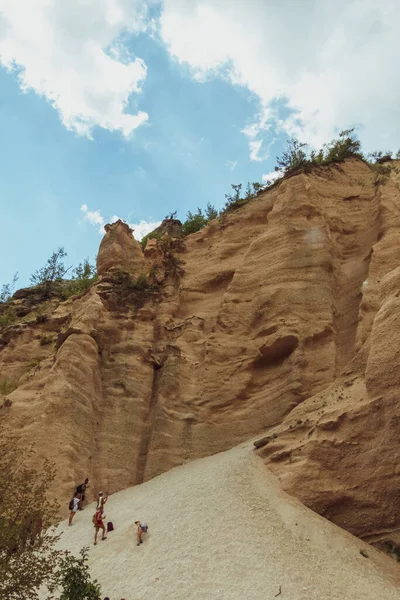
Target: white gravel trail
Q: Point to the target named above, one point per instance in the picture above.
(220, 528)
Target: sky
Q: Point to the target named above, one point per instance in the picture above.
(132, 109)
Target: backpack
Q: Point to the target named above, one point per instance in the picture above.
(143, 527)
(110, 526)
(71, 504)
(94, 519)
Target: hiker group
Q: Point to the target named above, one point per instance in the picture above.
(76, 504)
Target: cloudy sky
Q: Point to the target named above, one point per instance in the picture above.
(133, 109)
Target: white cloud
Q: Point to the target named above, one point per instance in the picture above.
(273, 176)
(70, 52)
(255, 150)
(332, 63)
(143, 228)
(96, 218)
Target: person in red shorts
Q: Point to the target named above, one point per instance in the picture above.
(99, 524)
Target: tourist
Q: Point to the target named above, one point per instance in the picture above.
(99, 524)
(74, 506)
(101, 500)
(141, 529)
(81, 490)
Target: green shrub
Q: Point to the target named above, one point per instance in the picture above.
(7, 289)
(127, 283)
(379, 157)
(73, 578)
(294, 158)
(51, 274)
(345, 146)
(45, 339)
(211, 212)
(83, 276)
(235, 200)
(194, 222)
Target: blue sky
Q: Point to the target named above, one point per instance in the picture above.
(212, 91)
(181, 159)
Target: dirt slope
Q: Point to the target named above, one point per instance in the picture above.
(221, 528)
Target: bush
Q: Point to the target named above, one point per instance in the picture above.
(235, 200)
(83, 276)
(194, 222)
(53, 272)
(45, 339)
(7, 289)
(379, 157)
(127, 283)
(211, 212)
(346, 146)
(294, 158)
(73, 577)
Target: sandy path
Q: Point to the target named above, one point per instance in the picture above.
(221, 528)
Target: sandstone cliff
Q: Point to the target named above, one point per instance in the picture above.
(278, 318)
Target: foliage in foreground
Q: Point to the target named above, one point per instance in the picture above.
(73, 578)
(28, 557)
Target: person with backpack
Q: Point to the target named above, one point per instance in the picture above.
(81, 490)
(73, 507)
(141, 529)
(99, 524)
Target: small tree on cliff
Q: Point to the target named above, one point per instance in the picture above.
(82, 278)
(7, 289)
(51, 273)
(27, 542)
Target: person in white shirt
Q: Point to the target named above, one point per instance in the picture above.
(74, 504)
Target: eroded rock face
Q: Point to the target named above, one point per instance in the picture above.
(248, 328)
(338, 451)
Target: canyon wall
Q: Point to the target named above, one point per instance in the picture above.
(277, 320)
